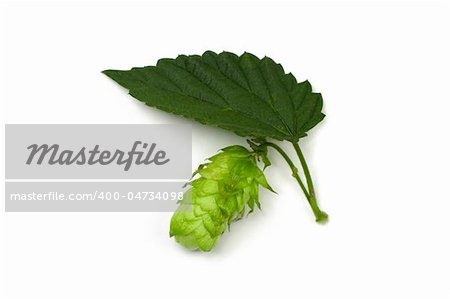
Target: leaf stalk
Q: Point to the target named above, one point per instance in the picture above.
(291, 165)
(321, 217)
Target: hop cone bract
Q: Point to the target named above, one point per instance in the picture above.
(228, 184)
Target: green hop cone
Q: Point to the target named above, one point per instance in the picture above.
(226, 189)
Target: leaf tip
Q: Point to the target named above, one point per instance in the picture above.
(106, 72)
(113, 74)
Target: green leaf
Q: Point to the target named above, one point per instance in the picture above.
(250, 96)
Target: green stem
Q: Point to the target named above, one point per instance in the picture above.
(305, 168)
(321, 217)
(291, 165)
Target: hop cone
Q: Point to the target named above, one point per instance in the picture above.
(228, 184)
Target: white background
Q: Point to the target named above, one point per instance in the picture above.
(380, 159)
